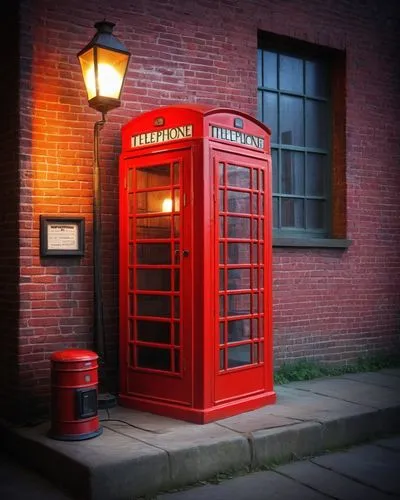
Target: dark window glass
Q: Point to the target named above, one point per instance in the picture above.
(239, 356)
(153, 253)
(153, 331)
(152, 357)
(294, 101)
(153, 305)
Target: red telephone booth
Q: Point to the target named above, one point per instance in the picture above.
(195, 263)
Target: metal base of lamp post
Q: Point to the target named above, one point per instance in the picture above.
(105, 400)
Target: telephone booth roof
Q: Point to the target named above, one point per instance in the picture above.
(199, 116)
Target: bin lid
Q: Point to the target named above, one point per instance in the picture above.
(69, 355)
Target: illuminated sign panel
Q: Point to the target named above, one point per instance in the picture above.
(164, 135)
(236, 136)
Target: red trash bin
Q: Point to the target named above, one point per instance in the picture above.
(74, 381)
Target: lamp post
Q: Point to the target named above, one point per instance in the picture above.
(104, 63)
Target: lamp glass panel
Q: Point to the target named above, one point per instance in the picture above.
(87, 66)
(111, 71)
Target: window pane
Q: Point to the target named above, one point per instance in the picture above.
(259, 104)
(255, 234)
(254, 326)
(153, 305)
(238, 176)
(317, 124)
(316, 79)
(177, 307)
(238, 202)
(291, 74)
(221, 279)
(255, 278)
(156, 176)
(176, 201)
(270, 72)
(270, 114)
(131, 203)
(153, 227)
(255, 253)
(239, 304)
(153, 279)
(222, 332)
(154, 201)
(238, 330)
(255, 204)
(130, 280)
(292, 212)
(291, 120)
(221, 169)
(238, 253)
(176, 226)
(222, 305)
(153, 253)
(221, 253)
(239, 356)
(316, 174)
(153, 331)
(255, 178)
(316, 215)
(292, 172)
(221, 227)
(238, 227)
(275, 212)
(238, 279)
(130, 179)
(259, 67)
(221, 359)
(176, 280)
(176, 173)
(176, 334)
(221, 200)
(152, 357)
(275, 177)
(177, 253)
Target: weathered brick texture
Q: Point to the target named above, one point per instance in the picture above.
(328, 304)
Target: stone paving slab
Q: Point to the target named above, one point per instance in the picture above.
(358, 462)
(17, 483)
(196, 451)
(256, 420)
(392, 443)
(306, 405)
(269, 486)
(143, 420)
(330, 482)
(362, 393)
(395, 372)
(379, 379)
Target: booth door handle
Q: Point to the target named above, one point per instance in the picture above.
(185, 253)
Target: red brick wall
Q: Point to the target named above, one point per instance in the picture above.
(330, 303)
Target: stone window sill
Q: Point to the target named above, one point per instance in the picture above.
(311, 242)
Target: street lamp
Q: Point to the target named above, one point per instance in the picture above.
(104, 63)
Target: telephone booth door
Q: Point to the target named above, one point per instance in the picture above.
(156, 262)
(242, 208)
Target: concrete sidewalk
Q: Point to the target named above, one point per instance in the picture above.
(142, 454)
